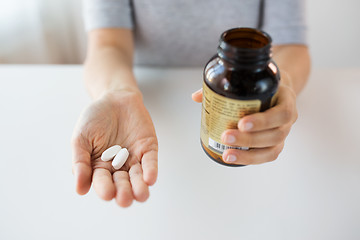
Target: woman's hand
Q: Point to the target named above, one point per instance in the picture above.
(264, 132)
(118, 117)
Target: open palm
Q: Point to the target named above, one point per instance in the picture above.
(116, 118)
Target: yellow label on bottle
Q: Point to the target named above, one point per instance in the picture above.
(220, 113)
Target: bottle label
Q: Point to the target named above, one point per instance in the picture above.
(220, 113)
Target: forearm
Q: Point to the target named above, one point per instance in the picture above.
(294, 64)
(109, 62)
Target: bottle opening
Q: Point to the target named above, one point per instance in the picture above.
(246, 38)
(245, 46)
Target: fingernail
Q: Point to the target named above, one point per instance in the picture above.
(229, 139)
(231, 158)
(247, 126)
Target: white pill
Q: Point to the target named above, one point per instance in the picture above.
(110, 153)
(120, 158)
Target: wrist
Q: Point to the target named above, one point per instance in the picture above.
(120, 81)
(122, 96)
(118, 93)
(99, 92)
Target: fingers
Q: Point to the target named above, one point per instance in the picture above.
(284, 112)
(135, 183)
(81, 166)
(261, 139)
(124, 196)
(139, 187)
(103, 184)
(252, 156)
(197, 96)
(149, 164)
(263, 132)
(121, 185)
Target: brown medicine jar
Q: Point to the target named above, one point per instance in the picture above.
(240, 79)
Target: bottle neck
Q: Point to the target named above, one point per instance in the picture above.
(245, 47)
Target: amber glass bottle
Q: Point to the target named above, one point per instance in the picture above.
(240, 79)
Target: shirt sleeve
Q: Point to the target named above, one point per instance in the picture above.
(285, 21)
(107, 14)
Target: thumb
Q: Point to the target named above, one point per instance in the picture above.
(81, 166)
(197, 96)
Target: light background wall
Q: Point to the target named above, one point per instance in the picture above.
(41, 31)
(44, 31)
(334, 32)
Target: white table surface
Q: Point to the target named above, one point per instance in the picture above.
(311, 192)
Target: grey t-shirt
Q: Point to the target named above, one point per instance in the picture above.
(186, 32)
